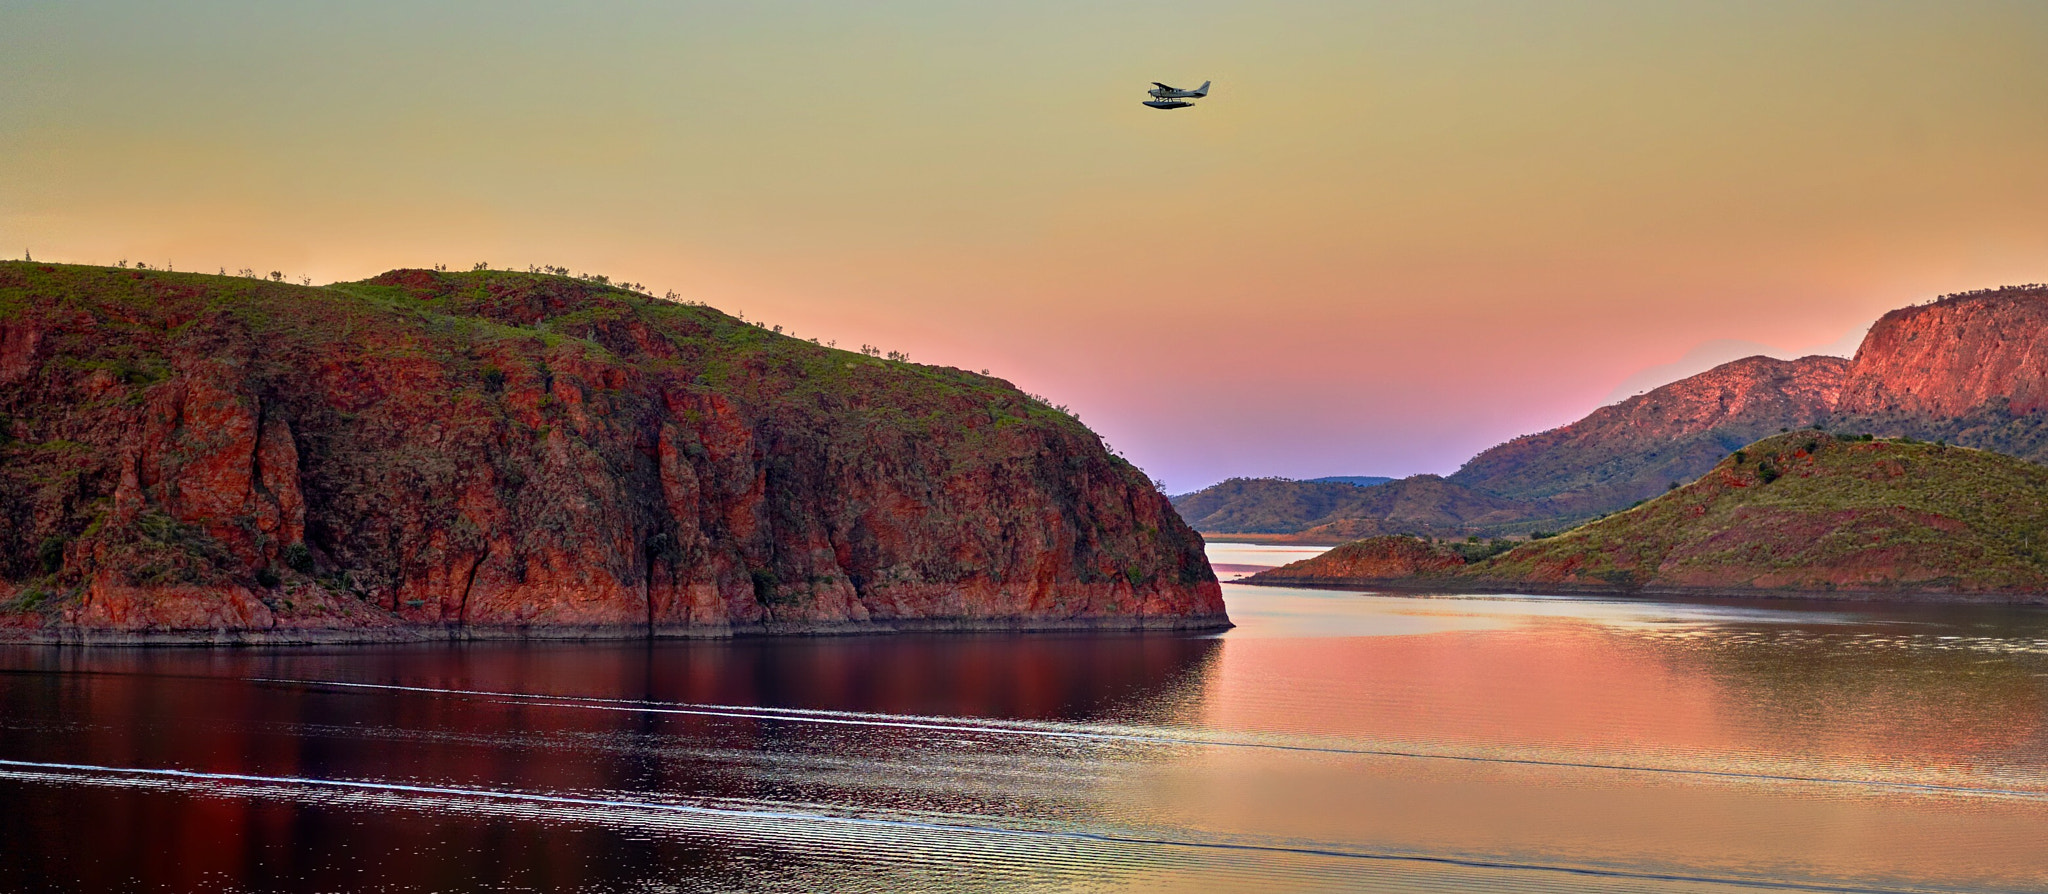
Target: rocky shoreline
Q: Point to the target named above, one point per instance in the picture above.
(334, 636)
(1461, 587)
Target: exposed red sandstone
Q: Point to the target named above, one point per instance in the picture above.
(483, 454)
(1953, 356)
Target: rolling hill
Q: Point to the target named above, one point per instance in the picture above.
(1802, 513)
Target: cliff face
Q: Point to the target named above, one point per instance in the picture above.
(492, 452)
(1955, 355)
(1635, 449)
(1969, 369)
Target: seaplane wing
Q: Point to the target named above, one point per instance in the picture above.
(1162, 91)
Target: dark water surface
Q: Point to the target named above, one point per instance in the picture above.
(1331, 742)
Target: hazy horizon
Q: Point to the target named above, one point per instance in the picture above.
(1392, 237)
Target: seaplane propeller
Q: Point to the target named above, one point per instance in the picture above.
(1168, 97)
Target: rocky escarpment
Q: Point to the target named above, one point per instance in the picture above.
(1803, 513)
(1635, 449)
(493, 453)
(1970, 369)
(1954, 355)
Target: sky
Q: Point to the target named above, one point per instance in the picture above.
(1394, 235)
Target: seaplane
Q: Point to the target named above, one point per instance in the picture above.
(1165, 97)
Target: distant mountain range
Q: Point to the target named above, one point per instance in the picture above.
(1354, 480)
(1970, 369)
(1417, 504)
(1636, 449)
(1801, 513)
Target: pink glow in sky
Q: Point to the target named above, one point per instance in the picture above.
(1395, 235)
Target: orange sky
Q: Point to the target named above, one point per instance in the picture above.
(1395, 235)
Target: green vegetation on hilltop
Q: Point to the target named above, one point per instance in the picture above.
(1809, 511)
(1993, 426)
(461, 314)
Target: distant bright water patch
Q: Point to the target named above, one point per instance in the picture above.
(1235, 560)
(1332, 742)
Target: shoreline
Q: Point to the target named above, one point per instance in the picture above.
(1489, 588)
(337, 636)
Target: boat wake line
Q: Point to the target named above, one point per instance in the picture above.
(1125, 734)
(1078, 852)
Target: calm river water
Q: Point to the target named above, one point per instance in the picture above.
(1332, 741)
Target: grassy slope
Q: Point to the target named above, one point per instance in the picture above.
(1807, 511)
(469, 313)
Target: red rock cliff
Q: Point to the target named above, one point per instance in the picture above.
(490, 452)
(1950, 357)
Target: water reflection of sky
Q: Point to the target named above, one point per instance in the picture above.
(1235, 560)
(1300, 612)
(1291, 612)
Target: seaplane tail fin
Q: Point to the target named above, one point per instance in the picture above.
(1202, 90)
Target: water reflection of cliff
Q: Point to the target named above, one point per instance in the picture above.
(207, 711)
